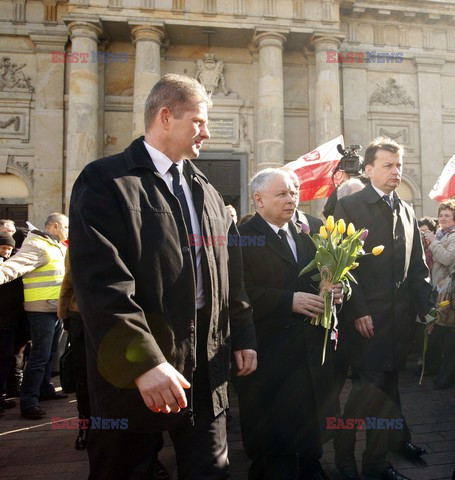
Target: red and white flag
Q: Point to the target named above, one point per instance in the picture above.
(315, 170)
(445, 186)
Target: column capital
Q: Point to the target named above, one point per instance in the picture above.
(269, 38)
(86, 29)
(150, 33)
(327, 40)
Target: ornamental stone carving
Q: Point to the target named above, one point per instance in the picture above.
(390, 93)
(12, 78)
(15, 120)
(210, 74)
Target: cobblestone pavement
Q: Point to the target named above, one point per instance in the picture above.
(32, 450)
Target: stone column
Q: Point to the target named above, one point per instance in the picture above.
(147, 70)
(48, 123)
(355, 103)
(431, 128)
(82, 146)
(270, 106)
(327, 95)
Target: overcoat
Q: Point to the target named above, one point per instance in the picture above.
(284, 404)
(132, 271)
(389, 285)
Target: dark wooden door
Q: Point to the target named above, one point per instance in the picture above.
(17, 213)
(224, 175)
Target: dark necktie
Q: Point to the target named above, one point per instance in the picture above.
(180, 194)
(388, 200)
(285, 242)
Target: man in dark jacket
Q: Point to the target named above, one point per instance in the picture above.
(160, 311)
(283, 405)
(378, 315)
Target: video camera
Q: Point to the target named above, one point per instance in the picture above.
(351, 162)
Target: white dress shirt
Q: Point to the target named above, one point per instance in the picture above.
(162, 164)
(289, 236)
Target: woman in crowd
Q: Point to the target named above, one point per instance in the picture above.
(442, 248)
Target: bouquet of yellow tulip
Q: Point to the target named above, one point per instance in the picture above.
(336, 255)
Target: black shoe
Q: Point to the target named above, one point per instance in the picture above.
(347, 468)
(409, 450)
(53, 396)
(33, 413)
(7, 403)
(159, 472)
(82, 439)
(392, 474)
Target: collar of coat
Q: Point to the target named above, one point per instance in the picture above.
(371, 195)
(136, 156)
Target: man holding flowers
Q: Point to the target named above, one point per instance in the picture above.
(283, 405)
(377, 321)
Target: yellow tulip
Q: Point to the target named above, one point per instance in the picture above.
(444, 303)
(323, 232)
(341, 226)
(351, 229)
(377, 250)
(330, 223)
(354, 265)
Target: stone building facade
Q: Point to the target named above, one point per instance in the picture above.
(285, 76)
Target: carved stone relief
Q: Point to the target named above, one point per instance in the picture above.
(298, 7)
(12, 78)
(269, 8)
(50, 11)
(390, 93)
(178, 5)
(210, 74)
(401, 136)
(21, 167)
(14, 123)
(19, 11)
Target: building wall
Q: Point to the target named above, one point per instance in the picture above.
(286, 92)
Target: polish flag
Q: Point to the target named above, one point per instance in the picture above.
(315, 170)
(445, 186)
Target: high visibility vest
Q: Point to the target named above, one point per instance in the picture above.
(44, 283)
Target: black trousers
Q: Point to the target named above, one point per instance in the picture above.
(77, 340)
(374, 394)
(201, 449)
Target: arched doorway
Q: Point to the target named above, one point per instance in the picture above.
(14, 199)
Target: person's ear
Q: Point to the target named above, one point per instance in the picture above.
(164, 116)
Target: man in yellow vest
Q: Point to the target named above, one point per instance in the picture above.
(40, 263)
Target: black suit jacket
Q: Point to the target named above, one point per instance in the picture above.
(390, 284)
(278, 409)
(133, 278)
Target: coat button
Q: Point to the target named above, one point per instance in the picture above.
(185, 249)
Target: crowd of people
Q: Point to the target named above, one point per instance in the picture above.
(159, 324)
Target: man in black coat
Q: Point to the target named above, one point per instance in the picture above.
(283, 405)
(161, 308)
(378, 315)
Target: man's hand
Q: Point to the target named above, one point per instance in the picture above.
(162, 389)
(246, 361)
(364, 325)
(307, 303)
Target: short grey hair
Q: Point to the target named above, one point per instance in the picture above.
(346, 187)
(260, 181)
(54, 218)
